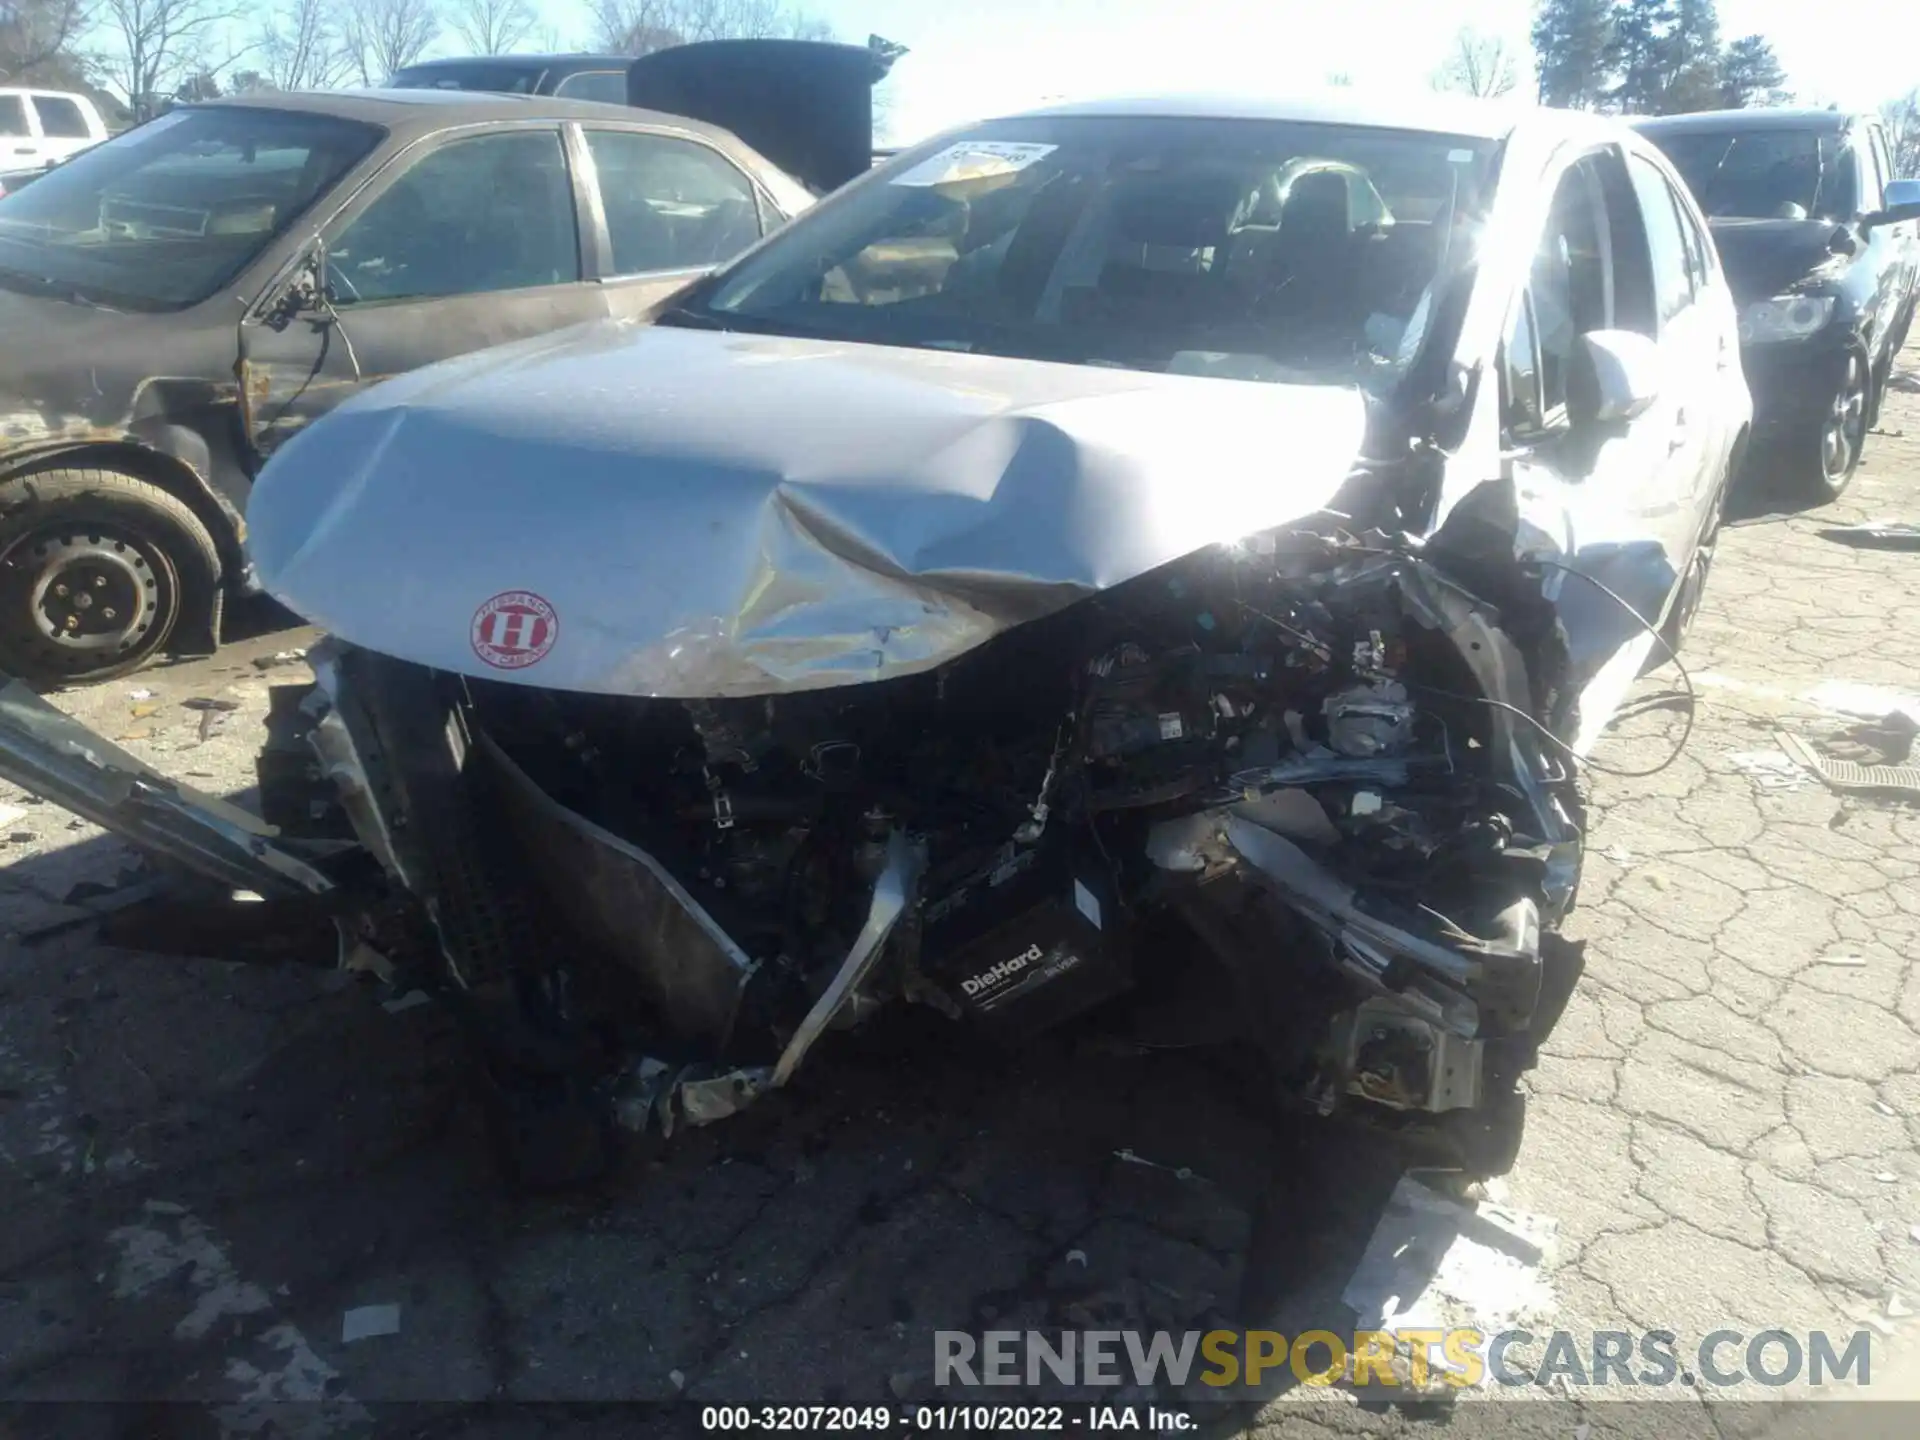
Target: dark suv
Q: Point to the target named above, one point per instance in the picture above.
(1821, 245)
(572, 77)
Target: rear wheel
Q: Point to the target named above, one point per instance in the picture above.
(1828, 451)
(96, 570)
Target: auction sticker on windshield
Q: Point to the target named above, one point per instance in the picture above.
(974, 160)
(514, 629)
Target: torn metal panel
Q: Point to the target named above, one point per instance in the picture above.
(680, 552)
(53, 756)
(892, 891)
(625, 900)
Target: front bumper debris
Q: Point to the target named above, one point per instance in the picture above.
(1307, 768)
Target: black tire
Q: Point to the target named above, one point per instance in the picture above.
(97, 570)
(1824, 456)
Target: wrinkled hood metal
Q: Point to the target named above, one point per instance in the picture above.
(1764, 257)
(715, 514)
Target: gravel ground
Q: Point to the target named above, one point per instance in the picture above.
(205, 1165)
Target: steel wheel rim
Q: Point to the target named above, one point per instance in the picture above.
(94, 594)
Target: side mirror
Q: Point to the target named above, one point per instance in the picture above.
(1902, 202)
(1618, 377)
(305, 292)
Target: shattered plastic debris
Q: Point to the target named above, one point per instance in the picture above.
(413, 999)
(1843, 962)
(11, 813)
(1077, 1257)
(655, 1092)
(1769, 769)
(1845, 776)
(279, 657)
(1180, 1172)
(369, 1322)
(140, 694)
(1435, 1263)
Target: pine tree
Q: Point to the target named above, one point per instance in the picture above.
(1639, 54)
(1692, 59)
(1750, 73)
(1571, 41)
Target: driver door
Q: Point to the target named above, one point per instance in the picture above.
(1616, 502)
(472, 241)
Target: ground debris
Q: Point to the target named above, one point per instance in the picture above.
(369, 1322)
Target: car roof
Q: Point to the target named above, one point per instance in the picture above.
(1484, 119)
(1720, 122)
(575, 61)
(419, 111)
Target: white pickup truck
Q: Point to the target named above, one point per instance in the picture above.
(44, 127)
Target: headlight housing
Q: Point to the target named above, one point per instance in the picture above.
(1785, 317)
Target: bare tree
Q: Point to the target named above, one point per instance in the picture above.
(298, 45)
(493, 27)
(1902, 119)
(383, 36)
(33, 32)
(639, 27)
(158, 45)
(1478, 64)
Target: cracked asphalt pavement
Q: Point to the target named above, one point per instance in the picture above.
(208, 1169)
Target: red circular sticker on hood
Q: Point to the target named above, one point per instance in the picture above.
(515, 629)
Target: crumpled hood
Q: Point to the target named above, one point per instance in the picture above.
(1764, 257)
(661, 511)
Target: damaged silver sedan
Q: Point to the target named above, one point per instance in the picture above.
(1114, 547)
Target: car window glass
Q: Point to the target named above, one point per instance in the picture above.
(1699, 263)
(491, 213)
(607, 86)
(500, 77)
(60, 118)
(173, 209)
(13, 115)
(1764, 174)
(1873, 167)
(1199, 248)
(1885, 157)
(1866, 163)
(1522, 362)
(670, 204)
(1672, 289)
(1572, 278)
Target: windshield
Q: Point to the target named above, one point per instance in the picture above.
(166, 214)
(1252, 250)
(497, 77)
(1764, 174)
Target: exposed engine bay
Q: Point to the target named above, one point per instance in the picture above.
(1306, 772)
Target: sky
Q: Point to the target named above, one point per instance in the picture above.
(976, 58)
